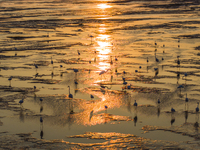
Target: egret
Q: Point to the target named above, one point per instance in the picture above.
(78, 52)
(70, 95)
(197, 108)
(91, 96)
(76, 70)
(172, 110)
(178, 61)
(111, 62)
(116, 58)
(186, 99)
(158, 101)
(51, 61)
(9, 79)
(34, 88)
(135, 104)
(36, 67)
(75, 82)
(180, 86)
(41, 120)
(91, 38)
(21, 101)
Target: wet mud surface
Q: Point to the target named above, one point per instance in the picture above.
(120, 74)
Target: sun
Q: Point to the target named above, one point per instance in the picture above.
(103, 6)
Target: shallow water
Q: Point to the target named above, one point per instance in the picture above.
(116, 37)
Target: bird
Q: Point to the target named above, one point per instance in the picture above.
(106, 107)
(41, 120)
(75, 82)
(91, 37)
(34, 88)
(172, 110)
(75, 70)
(61, 66)
(91, 96)
(135, 104)
(9, 79)
(70, 95)
(124, 72)
(21, 101)
(41, 99)
(197, 108)
(178, 61)
(136, 71)
(78, 52)
(186, 99)
(158, 101)
(155, 43)
(157, 60)
(36, 66)
(51, 61)
(147, 60)
(116, 58)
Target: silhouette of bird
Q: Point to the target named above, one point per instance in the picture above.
(34, 88)
(135, 104)
(70, 95)
(9, 79)
(41, 99)
(106, 107)
(41, 120)
(147, 60)
(78, 52)
(178, 61)
(116, 58)
(21, 101)
(186, 99)
(51, 61)
(197, 108)
(91, 96)
(158, 101)
(61, 66)
(172, 110)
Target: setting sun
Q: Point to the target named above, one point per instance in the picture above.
(103, 6)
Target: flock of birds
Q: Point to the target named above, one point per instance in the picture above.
(124, 81)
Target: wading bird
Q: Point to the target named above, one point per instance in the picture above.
(70, 95)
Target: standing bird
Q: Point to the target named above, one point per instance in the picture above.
(70, 95)
(178, 61)
(41, 120)
(197, 108)
(78, 52)
(51, 61)
(9, 79)
(21, 101)
(147, 59)
(172, 110)
(135, 104)
(91, 96)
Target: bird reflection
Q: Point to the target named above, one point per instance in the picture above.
(186, 116)
(172, 116)
(41, 105)
(135, 119)
(41, 128)
(91, 114)
(21, 115)
(158, 107)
